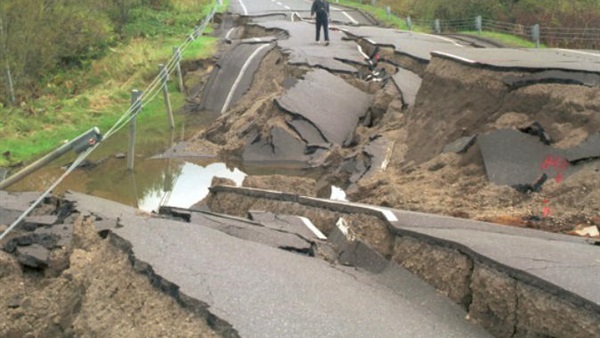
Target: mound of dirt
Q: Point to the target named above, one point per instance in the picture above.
(99, 294)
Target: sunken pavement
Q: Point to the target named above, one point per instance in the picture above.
(267, 263)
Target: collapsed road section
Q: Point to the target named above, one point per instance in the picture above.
(251, 278)
(427, 124)
(398, 119)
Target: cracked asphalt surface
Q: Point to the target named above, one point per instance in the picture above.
(268, 292)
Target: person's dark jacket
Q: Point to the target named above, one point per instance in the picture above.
(321, 8)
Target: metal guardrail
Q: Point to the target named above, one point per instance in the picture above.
(566, 37)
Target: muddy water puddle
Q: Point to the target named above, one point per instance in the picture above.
(154, 181)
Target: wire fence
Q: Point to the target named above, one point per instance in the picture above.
(563, 37)
(149, 93)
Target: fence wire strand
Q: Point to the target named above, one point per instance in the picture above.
(147, 96)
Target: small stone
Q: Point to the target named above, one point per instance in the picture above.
(34, 256)
(436, 166)
(15, 302)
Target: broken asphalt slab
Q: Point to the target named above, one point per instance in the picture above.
(588, 149)
(279, 146)
(329, 103)
(232, 76)
(289, 223)
(408, 83)
(253, 232)
(461, 145)
(514, 158)
(416, 45)
(552, 76)
(302, 49)
(580, 66)
(562, 265)
(266, 292)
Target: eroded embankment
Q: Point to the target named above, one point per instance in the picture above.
(92, 287)
(457, 100)
(506, 301)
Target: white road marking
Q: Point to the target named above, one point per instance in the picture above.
(360, 50)
(443, 38)
(313, 228)
(346, 14)
(286, 7)
(243, 7)
(339, 9)
(579, 52)
(229, 33)
(454, 56)
(388, 157)
(389, 215)
(240, 76)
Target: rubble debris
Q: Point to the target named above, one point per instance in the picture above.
(288, 223)
(408, 83)
(31, 223)
(536, 129)
(588, 149)
(514, 158)
(533, 187)
(280, 146)
(354, 252)
(336, 107)
(34, 256)
(309, 133)
(461, 145)
(299, 53)
(255, 232)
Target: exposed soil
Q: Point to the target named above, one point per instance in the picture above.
(98, 294)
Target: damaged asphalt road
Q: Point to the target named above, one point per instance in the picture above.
(263, 291)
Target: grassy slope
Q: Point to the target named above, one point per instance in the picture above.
(380, 14)
(77, 100)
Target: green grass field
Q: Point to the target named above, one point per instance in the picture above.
(74, 101)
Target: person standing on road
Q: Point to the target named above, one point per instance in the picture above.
(321, 8)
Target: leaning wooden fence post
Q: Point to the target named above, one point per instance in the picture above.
(136, 106)
(163, 77)
(177, 55)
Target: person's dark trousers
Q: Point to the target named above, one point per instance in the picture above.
(322, 22)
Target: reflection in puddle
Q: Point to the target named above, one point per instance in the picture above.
(189, 186)
(338, 194)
